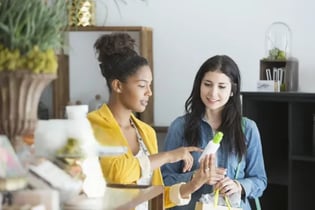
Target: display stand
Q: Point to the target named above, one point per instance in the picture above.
(291, 71)
(119, 198)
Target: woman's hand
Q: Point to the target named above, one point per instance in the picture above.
(228, 186)
(207, 173)
(183, 153)
(172, 156)
(208, 168)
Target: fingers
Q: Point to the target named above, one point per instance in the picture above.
(221, 172)
(194, 149)
(188, 158)
(213, 174)
(188, 163)
(227, 186)
(218, 175)
(208, 162)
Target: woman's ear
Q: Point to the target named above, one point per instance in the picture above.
(233, 89)
(116, 86)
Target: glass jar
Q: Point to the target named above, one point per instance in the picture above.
(278, 41)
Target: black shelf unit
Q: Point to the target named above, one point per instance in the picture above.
(285, 122)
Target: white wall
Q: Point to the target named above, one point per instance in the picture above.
(186, 33)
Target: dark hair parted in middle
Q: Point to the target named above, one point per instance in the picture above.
(117, 56)
(232, 117)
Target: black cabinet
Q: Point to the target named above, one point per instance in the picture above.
(285, 121)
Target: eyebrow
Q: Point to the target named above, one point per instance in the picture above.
(220, 83)
(143, 80)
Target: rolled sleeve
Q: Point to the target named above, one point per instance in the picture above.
(175, 196)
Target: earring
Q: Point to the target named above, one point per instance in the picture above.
(231, 94)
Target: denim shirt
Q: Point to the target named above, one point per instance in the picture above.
(251, 173)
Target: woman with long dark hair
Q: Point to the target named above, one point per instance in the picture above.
(215, 105)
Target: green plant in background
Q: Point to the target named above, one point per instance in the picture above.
(276, 54)
(30, 32)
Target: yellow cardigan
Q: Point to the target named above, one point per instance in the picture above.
(124, 169)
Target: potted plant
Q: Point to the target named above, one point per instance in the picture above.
(30, 33)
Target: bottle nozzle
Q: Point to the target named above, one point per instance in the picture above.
(217, 137)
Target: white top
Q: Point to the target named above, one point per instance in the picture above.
(146, 172)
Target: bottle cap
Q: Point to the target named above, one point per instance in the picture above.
(217, 137)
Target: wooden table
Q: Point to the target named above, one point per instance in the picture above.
(120, 198)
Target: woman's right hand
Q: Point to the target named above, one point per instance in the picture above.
(209, 171)
(183, 153)
(172, 156)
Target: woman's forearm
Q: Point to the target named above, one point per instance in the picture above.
(159, 159)
(189, 188)
(172, 156)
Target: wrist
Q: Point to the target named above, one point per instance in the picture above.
(164, 157)
(193, 174)
(188, 188)
(239, 186)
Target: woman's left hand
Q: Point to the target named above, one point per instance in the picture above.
(228, 186)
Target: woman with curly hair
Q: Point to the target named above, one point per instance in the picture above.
(129, 78)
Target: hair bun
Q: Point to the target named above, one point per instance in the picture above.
(115, 43)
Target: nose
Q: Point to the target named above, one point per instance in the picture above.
(213, 91)
(149, 91)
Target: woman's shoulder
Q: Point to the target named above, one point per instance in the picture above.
(95, 117)
(180, 119)
(248, 123)
(250, 129)
(178, 122)
(100, 115)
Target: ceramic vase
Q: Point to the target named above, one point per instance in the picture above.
(20, 92)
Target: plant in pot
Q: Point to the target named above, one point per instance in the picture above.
(30, 33)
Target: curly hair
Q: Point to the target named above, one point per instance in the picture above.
(117, 56)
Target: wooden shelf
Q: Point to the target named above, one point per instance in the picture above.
(290, 67)
(109, 28)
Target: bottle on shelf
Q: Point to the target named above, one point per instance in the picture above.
(213, 145)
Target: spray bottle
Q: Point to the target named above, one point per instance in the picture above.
(213, 145)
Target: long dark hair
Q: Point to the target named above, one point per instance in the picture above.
(231, 124)
(117, 57)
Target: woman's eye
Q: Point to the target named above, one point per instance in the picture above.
(222, 87)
